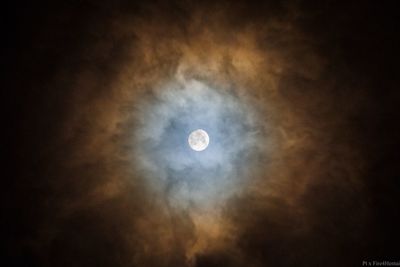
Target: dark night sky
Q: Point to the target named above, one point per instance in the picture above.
(47, 45)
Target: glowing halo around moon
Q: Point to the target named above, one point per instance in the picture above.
(198, 140)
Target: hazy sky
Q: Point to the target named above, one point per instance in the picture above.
(299, 103)
(192, 178)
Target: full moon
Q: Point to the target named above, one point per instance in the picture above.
(198, 140)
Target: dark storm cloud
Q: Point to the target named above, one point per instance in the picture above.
(93, 173)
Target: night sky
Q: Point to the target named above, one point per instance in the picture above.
(300, 100)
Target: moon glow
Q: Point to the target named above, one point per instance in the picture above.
(198, 140)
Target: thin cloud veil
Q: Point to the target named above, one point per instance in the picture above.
(164, 155)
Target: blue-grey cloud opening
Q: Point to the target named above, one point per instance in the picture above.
(191, 177)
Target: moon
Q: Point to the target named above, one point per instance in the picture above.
(198, 140)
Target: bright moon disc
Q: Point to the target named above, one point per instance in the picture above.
(198, 140)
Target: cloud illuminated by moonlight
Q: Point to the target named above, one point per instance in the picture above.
(188, 177)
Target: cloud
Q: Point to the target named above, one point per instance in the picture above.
(162, 153)
(282, 163)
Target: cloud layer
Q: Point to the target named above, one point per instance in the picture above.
(282, 178)
(189, 178)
